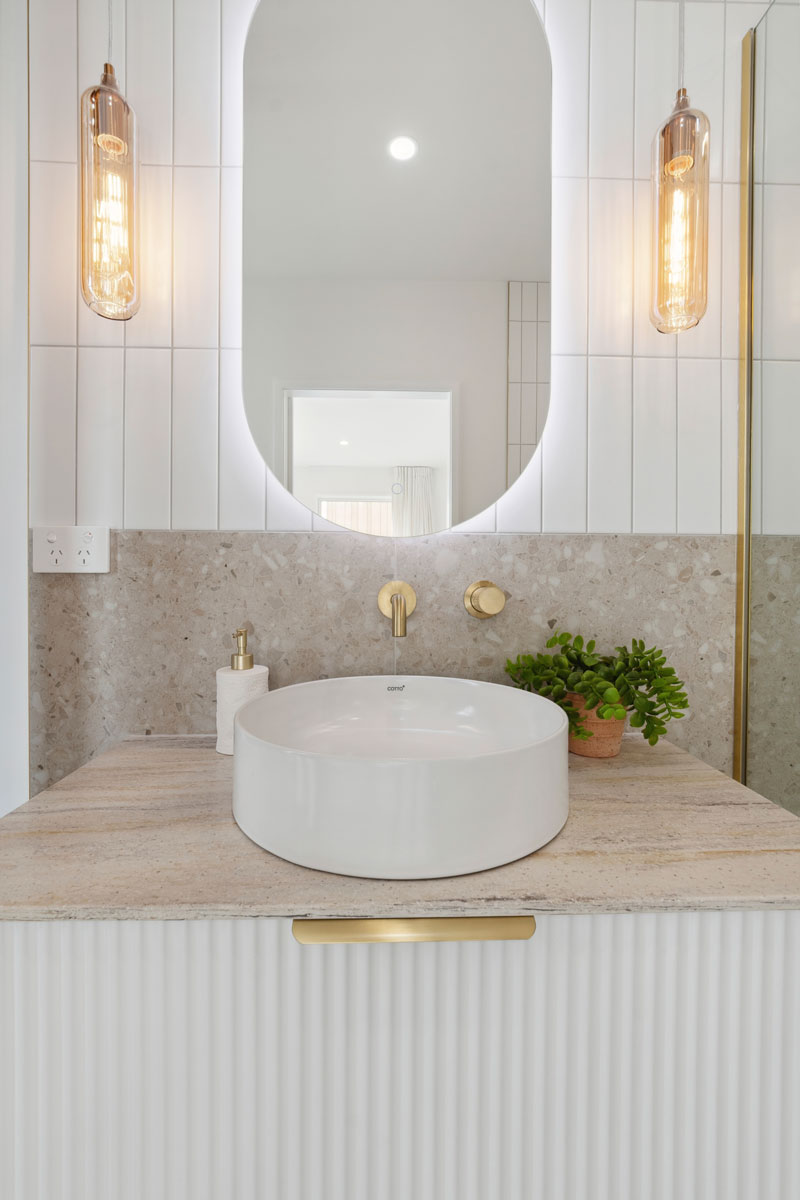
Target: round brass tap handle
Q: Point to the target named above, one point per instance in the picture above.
(484, 599)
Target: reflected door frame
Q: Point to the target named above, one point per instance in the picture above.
(284, 390)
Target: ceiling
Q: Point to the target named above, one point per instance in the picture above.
(382, 429)
(328, 83)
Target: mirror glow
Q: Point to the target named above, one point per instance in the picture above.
(396, 254)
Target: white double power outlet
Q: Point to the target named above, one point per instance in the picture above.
(72, 549)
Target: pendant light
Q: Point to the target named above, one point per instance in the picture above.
(109, 277)
(680, 194)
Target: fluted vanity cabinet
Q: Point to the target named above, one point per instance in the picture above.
(163, 1034)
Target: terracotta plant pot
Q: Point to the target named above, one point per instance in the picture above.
(606, 739)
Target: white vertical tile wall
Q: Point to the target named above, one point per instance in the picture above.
(53, 444)
(100, 433)
(93, 40)
(149, 53)
(610, 266)
(610, 445)
(241, 467)
(195, 254)
(53, 44)
(153, 323)
(699, 425)
(655, 445)
(729, 451)
(780, 433)
(647, 343)
(614, 77)
(196, 83)
(776, 292)
(569, 285)
(53, 253)
(611, 75)
(148, 433)
(564, 462)
(195, 455)
(528, 372)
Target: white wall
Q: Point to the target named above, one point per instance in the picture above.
(144, 426)
(14, 403)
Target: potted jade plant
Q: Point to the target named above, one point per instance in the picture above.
(599, 691)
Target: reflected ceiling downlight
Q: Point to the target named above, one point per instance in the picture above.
(403, 148)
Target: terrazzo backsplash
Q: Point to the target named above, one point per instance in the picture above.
(135, 651)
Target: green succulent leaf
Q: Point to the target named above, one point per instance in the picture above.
(631, 679)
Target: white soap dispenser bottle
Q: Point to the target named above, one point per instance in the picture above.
(236, 684)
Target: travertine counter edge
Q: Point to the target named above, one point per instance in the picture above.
(145, 832)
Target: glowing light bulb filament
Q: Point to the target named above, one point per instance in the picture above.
(108, 193)
(680, 219)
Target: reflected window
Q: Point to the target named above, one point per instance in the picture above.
(363, 515)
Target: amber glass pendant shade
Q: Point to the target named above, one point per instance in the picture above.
(109, 274)
(680, 196)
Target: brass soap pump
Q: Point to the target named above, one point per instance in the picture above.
(237, 684)
(241, 660)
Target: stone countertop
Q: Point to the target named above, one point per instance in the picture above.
(145, 832)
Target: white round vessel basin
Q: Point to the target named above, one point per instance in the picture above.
(400, 777)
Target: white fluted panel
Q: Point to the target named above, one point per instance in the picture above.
(610, 1058)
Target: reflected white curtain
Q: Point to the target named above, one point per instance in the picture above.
(412, 501)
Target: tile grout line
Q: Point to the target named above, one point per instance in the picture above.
(66, 162)
(79, 264)
(694, 358)
(721, 280)
(677, 359)
(219, 281)
(172, 282)
(137, 216)
(762, 227)
(588, 261)
(632, 455)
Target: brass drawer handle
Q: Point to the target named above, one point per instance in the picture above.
(412, 929)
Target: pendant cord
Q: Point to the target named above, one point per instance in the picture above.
(681, 40)
(110, 30)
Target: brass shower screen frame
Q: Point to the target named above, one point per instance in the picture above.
(743, 536)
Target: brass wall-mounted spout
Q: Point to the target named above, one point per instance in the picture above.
(398, 615)
(397, 600)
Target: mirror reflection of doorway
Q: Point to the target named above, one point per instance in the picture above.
(396, 228)
(373, 461)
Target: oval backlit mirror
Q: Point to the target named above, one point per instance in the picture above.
(396, 265)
